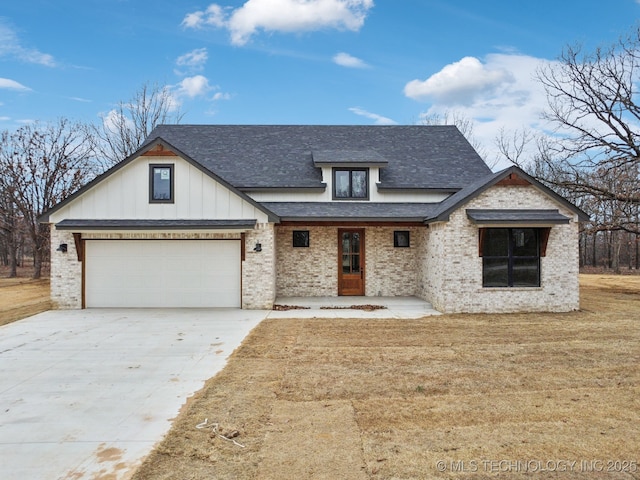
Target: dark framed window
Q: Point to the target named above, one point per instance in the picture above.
(161, 183)
(301, 238)
(401, 239)
(351, 183)
(510, 257)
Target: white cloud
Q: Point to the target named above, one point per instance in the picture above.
(281, 16)
(213, 16)
(345, 60)
(459, 83)
(505, 95)
(195, 86)
(10, 46)
(13, 85)
(378, 119)
(221, 96)
(193, 60)
(113, 120)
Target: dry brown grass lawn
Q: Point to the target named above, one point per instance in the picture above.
(453, 396)
(21, 297)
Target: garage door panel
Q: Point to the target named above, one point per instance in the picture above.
(162, 273)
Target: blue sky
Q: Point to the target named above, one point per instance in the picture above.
(294, 61)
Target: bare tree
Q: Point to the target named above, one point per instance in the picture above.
(41, 165)
(465, 125)
(9, 232)
(124, 128)
(593, 104)
(593, 155)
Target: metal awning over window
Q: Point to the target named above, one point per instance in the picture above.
(509, 217)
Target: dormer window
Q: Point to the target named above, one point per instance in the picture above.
(161, 183)
(351, 183)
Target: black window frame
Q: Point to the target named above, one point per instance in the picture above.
(152, 168)
(397, 234)
(300, 238)
(511, 257)
(350, 170)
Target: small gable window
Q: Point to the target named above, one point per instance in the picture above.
(401, 239)
(510, 257)
(301, 238)
(161, 183)
(351, 183)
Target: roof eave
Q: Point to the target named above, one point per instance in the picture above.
(287, 189)
(410, 189)
(444, 215)
(351, 164)
(160, 225)
(332, 219)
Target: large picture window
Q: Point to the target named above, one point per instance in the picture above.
(349, 183)
(161, 183)
(510, 257)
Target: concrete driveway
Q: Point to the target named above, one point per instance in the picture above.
(87, 393)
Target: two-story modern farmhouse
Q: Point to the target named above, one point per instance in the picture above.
(236, 216)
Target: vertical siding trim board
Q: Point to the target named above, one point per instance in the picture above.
(83, 273)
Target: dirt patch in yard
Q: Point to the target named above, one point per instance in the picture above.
(452, 396)
(22, 297)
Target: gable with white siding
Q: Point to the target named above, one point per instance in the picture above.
(124, 194)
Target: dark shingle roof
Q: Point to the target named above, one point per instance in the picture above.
(474, 189)
(342, 157)
(481, 216)
(263, 156)
(140, 224)
(353, 211)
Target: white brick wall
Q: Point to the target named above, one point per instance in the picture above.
(66, 272)
(391, 271)
(313, 271)
(442, 265)
(259, 269)
(452, 277)
(307, 272)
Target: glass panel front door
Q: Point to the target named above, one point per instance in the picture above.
(351, 255)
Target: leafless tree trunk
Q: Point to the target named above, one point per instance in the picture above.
(8, 228)
(41, 165)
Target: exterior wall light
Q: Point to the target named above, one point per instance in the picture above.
(62, 248)
(258, 247)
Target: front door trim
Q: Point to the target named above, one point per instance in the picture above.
(351, 284)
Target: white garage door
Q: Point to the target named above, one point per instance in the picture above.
(162, 273)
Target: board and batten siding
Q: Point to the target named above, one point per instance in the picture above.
(125, 195)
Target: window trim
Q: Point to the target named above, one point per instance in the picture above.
(152, 167)
(350, 170)
(542, 236)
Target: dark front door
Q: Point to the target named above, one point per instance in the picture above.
(351, 262)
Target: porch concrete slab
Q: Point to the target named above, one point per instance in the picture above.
(340, 307)
(87, 393)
